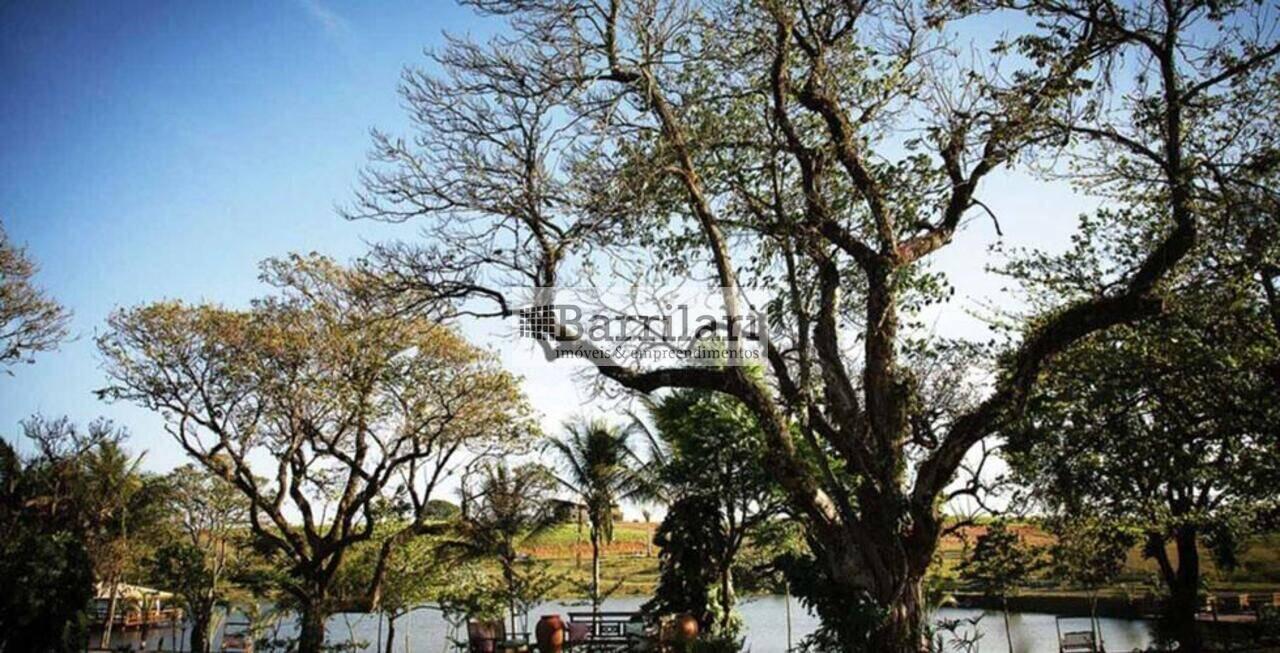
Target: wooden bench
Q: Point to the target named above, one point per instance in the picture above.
(605, 631)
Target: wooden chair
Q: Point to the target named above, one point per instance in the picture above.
(1077, 641)
(605, 631)
(1080, 641)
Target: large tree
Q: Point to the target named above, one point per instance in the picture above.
(30, 321)
(826, 149)
(1170, 425)
(329, 415)
(418, 576)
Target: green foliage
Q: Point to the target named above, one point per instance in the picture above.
(416, 574)
(180, 567)
(714, 465)
(1169, 424)
(716, 643)
(49, 587)
(473, 593)
(208, 516)
(1087, 552)
(441, 510)
(714, 448)
(65, 513)
(689, 544)
(847, 618)
(999, 562)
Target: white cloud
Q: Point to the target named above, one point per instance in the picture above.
(334, 26)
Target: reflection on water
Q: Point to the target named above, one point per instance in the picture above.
(765, 618)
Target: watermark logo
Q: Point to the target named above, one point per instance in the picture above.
(643, 327)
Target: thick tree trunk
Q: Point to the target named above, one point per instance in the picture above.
(1184, 596)
(903, 628)
(1183, 584)
(199, 631)
(890, 599)
(311, 634)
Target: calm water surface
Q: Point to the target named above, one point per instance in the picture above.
(765, 618)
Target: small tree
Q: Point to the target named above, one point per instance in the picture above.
(329, 416)
(502, 509)
(416, 575)
(715, 450)
(1089, 553)
(30, 322)
(689, 543)
(599, 469)
(208, 511)
(998, 564)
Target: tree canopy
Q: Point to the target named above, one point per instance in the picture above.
(358, 416)
(826, 150)
(30, 321)
(715, 451)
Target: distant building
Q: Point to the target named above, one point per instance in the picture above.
(572, 512)
(139, 611)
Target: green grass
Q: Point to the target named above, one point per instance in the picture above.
(567, 535)
(1258, 568)
(633, 576)
(632, 563)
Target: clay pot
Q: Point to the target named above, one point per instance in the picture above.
(686, 628)
(550, 632)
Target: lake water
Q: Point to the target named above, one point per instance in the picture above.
(765, 618)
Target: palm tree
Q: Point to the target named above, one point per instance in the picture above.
(120, 501)
(598, 467)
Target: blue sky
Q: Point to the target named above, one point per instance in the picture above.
(161, 149)
(156, 150)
